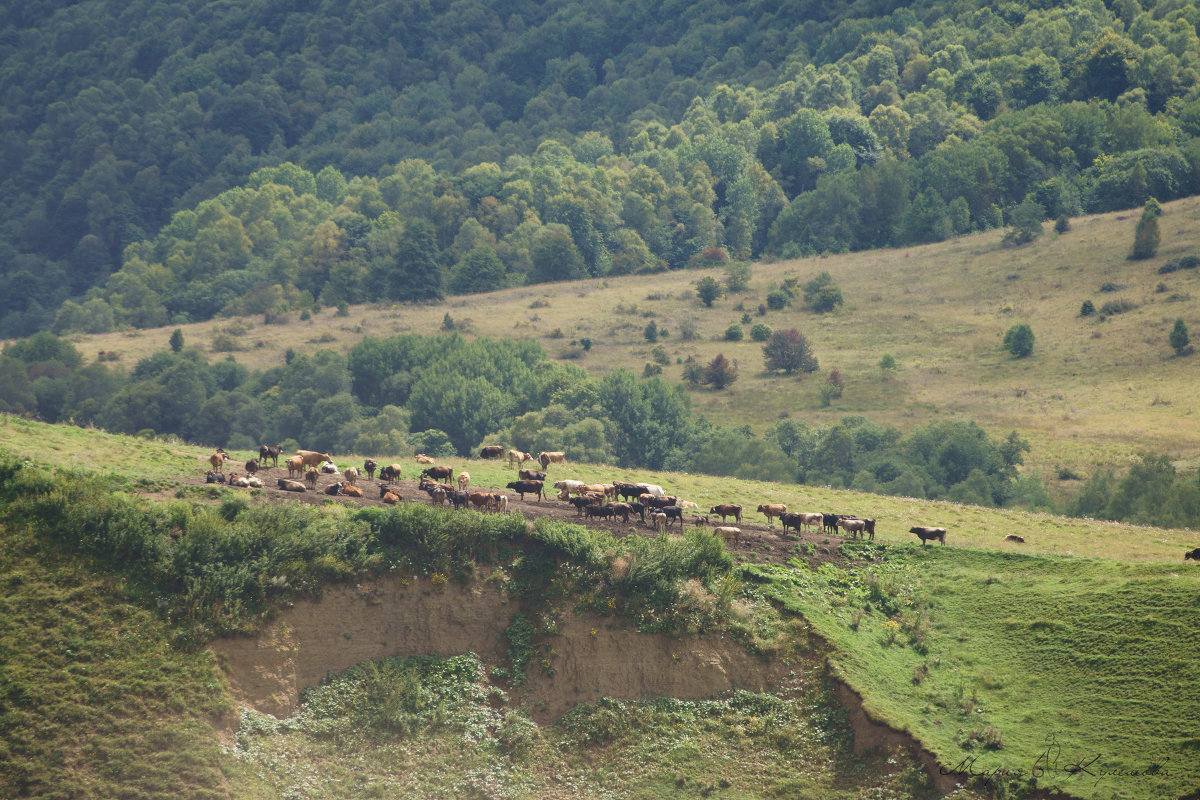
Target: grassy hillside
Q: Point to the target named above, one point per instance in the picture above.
(1074, 650)
(1096, 391)
(1068, 671)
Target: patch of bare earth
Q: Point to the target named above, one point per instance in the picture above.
(589, 658)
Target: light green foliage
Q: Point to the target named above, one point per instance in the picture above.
(708, 290)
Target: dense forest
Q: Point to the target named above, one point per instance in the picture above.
(171, 162)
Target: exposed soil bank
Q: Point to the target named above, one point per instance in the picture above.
(591, 657)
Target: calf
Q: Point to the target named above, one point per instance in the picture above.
(926, 533)
(527, 487)
(771, 511)
(295, 466)
(853, 526)
(251, 466)
(311, 476)
(581, 503)
(729, 533)
(328, 467)
(391, 498)
(727, 510)
(639, 509)
(658, 520)
(351, 475)
(384, 488)
(464, 480)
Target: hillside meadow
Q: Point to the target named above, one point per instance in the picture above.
(1095, 393)
(1020, 662)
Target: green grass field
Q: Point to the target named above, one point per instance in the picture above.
(1095, 393)
(1074, 671)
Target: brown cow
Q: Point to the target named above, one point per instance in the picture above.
(295, 466)
(391, 498)
(443, 474)
(926, 533)
(654, 501)
(218, 459)
(351, 491)
(517, 458)
(310, 477)
(423, 459)
(727, 510)
(369, 466)
(390, 473)
(771, 511)
(546, 459)
(251, 466)
(491, 451)
(312, 458)
(291, 486)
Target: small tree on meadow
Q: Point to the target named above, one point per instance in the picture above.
(1019, 340)
(737, 276)
(651, 332)
(1145, 236)
(1179, 338)
(1027, 223)
(790, 352)
(822, 294)
(708, 290)
(720, 372)
(176, 340)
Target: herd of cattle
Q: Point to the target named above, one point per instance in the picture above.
(617, 500)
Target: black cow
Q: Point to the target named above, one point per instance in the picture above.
(581, 503)
(214, 477)
(673, 512)
(597, 511)
(1192, 554)
(491, 451)
(531, 475)
(459, 499)
(639, 509)
(273, 453)
(527, 487)
(829, 522)
(794, 521)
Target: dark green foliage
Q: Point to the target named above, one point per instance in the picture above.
(1175, 264)
(1062, 224)
(651, 332)
(760, 332)
(821, 294)
(1027, 223)
(708, 290)
(777, 300)
(1087, 309)
(1146, 236)
(176, 340)
(789, 351)
(1151, 493)
(1179, 338)
(734, 332)
(1018, 340)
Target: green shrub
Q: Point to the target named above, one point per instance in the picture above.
(734, 332)
(760, 332)
(1018, 340)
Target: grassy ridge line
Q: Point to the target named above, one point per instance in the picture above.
(1085, 657)
(1082, 399)
(971, 526)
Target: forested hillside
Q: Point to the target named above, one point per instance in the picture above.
(170, 162)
